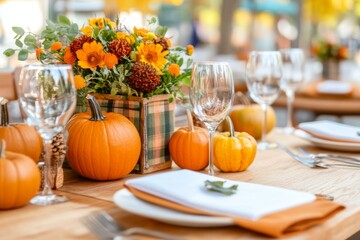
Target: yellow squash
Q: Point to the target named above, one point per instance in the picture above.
(234, 151)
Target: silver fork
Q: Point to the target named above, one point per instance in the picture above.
(330, 156)
(314, 162)
(105, 227)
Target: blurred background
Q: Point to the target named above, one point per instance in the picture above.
(219, 29)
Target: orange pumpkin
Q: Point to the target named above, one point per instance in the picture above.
(102, 146)
(234, 151)
(189, 146)
(19, 179)
(19, 137)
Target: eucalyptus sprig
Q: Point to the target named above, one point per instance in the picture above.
(218, 186)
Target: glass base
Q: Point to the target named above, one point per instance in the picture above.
(266, 145)
(50, 199)
(288, 130)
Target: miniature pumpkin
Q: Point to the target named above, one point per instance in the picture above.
(249, 118)
(233, 151)
(19, 179)
(19, 137)
(189, 146)
(102, 146)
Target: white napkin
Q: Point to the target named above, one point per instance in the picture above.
(334, 87)
(251, 201)
(332, 130)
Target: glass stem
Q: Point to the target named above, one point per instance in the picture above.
(47, 174)
(290, 102)
(211, 152)
(263, 131)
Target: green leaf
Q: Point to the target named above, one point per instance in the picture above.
(9, 52)
(30, 40)
(23, 55)
(160, 30)
(64, 20)
(218, 186)
(18, 30)
(19, 43)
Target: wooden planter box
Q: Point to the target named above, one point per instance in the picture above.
(154, 119)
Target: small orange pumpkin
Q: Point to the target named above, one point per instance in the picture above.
(19, 137)
(19, 179)
(234, 151)
(189, 146)
(102, 146)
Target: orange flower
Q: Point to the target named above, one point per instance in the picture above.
(79, 82)
(152, 54)
(91, 55)
(39, 51)
(189, 50)
(110, 60)
(56, 46)
(69, 57)
(174, 69)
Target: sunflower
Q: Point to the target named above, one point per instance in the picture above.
(91, 55)
(152, 54)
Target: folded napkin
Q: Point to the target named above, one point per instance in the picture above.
(333, 131)
(269, 210)
(334, 87)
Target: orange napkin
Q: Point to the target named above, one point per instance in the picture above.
(276, 225)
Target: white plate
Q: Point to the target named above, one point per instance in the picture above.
(127, 201)
(327, 144)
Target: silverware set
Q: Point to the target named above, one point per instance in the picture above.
(322, 160)
(105, 227)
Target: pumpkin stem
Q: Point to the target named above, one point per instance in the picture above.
(242, 98)
(190, 120)
(4, 114)
(2, 148)
(231, 126)
(96, 114)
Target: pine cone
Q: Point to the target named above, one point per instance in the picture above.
(120, 48)
(144, 77)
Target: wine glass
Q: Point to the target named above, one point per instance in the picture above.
(48, 99)
(211, 96)
(263, 75)
(293, 76)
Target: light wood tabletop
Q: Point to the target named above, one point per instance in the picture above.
(271, 167)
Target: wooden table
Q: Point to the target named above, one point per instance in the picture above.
(272, 167)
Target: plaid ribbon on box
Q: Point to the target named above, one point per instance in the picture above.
(154, 119)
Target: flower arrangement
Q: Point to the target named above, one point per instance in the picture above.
(110, 59)
(326, 50)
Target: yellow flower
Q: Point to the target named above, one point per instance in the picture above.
(189, 50)
(129, 38)
(87, 31)
(174, 69)
(91, 55)
(56, 46)
(79, 82)
(152, 54)
(100, 22)
(140, 32)
(149, 36)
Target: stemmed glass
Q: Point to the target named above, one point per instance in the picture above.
(48, 99)
(263, 75)
(211, 96)
(293, 76)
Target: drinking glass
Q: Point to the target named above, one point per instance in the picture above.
(263, 75)
(48, 99)
(293, 76)
(211, 96)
